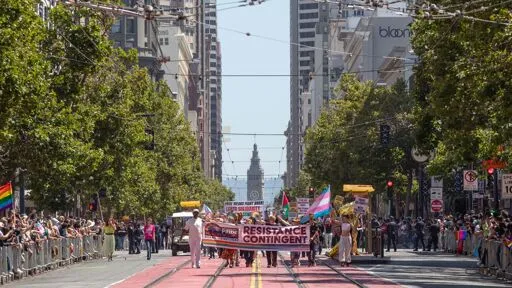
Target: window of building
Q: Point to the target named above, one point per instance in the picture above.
(307, 34)
(307, 53)
(129, 44)
(307, 25)
(308, 15)
(161, 41)
(166, 41)
(308, 6)
(304, 63)
(116, 27)
(130, 25)
(308, 43)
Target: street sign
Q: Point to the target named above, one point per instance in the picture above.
(470, 180)
(506, 186)
(436, 182)
(436, 193)
(436, 205)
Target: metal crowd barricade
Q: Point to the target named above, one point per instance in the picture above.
(450, 241)
(17, 261)
(467, 247)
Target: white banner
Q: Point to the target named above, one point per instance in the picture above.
(470, 180)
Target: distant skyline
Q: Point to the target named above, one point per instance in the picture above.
(255, 104)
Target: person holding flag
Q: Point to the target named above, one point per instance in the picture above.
(6, 196)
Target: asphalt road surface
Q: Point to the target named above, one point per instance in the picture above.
(406, 269)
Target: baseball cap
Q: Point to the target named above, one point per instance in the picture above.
(195, 210)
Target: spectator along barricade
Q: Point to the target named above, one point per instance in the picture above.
(29, 246)
(487, 238)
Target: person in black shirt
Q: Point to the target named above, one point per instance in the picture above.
(131, 238)
(419, 234)
(391, 231)
(157, 240)
(434, 235)
(313, 241)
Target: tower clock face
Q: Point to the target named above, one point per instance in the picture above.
(254, 195)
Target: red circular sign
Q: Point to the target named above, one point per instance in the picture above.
(437, 205)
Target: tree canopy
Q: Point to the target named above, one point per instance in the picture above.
(462, 83)
(343, 147)
(79, 115)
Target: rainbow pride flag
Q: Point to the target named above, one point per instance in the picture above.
(5, 196)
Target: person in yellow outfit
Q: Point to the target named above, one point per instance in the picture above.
(109, 243)
(354, 221)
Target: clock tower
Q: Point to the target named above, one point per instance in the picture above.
(255, 178)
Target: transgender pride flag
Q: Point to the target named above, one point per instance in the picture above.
(321, 207)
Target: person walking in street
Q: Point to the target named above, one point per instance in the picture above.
(131, 238)
(419, 234)
(271, 255)
(109, 230)
(156, 239)
(194, 226)
(149, 236)
(434, 235)
(313, 241)
(328, 233)
(391, 233)
(138, 236)
(345, 245)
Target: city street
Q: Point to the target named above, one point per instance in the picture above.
(406, 269)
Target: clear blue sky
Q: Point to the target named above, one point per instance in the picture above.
(256, 104)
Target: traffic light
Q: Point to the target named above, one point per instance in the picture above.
(93, 205)
(384, 134)
(150, 146)
(311, 191)
(389, 188)
(490, 178)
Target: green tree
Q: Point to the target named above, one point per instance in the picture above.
(343, 147)
(78, 121)
(462, 84)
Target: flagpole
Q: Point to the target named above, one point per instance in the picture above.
(13, 206)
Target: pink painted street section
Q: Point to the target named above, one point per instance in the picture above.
(152, 273)
(192, 277)
(319, 276)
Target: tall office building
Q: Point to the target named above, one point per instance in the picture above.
(131, 32)
(304, 15)
(214, 86)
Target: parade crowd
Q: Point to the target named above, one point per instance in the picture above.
(445, 233)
